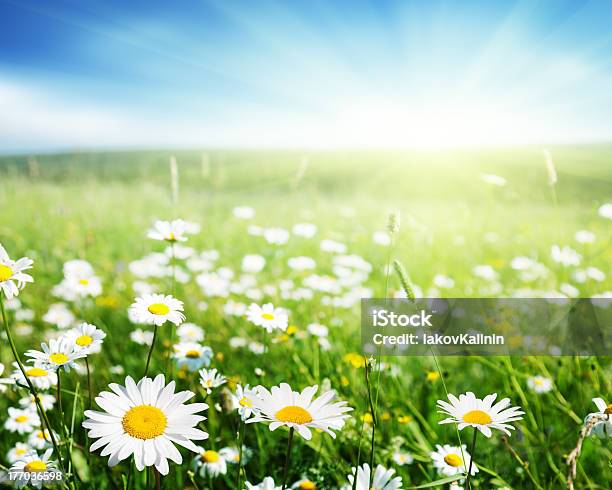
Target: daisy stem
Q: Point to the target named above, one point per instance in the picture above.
(59, 402)
(288, 458)
(374, 418)
(169, 364)
(88, 381)
(240, 438)
(33, 390)
(150, 351)
(358, 453)
(472, 451)
(157, 479)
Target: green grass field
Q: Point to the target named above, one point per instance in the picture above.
(99, 206)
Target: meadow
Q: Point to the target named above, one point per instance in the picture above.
(458, 210)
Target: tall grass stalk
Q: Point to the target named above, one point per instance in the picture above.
(33, 390)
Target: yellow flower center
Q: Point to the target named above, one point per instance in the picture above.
(20, 451)
(267, 316)
(538, 382)
(608, 410)
(5, 272)
(307, 485)
(36, 372)
(192, 354)
(83, 282)
(40, 435)
(245, 402)
(477, 417)
(208, 383)
(21, 418)
(294, 415)
(35, 467)
(158, 309)
(59, 358)
(453, 460)
(144, 422)
(171, 237)
(84, 340)
(210, 456)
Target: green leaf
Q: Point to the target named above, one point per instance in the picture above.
(443, 481)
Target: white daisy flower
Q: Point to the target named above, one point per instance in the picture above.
(59, 315)
(243, 212)
(605, 210)
(32, 464)
(78, 268)
(209, 463)
(73, 288)
(18, 452)
(190, 332)
(21, 421)
(442, 281)
(452, 460)
(192, 355)
(232, 455)
(566, 256)
(301, 263)
(87, 337)
(169, 231)
(46, 401)
(305, 230)
(4, 382)
(333, 246)
(493, 179)
(603, 428)
(141, 337)
(242, 400)
(585, 236)
(469, 411)
(157, 309)
(145, 420)
(401, 458)
(38, 374)
(276, 236)
(268, 317)
(253, 263)
(41, 439)
(283, 406)
(382, 480)
(540, 384)
(210, 378)
(266, 484)
(59, 353)
(317, 330)
(381, 238)
(12, 277)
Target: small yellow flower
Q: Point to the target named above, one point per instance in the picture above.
(367, 418)
(219, 356)
(344, 381)
(404, 419)
(385, 416)
(432, 376)
(292, 330)
(355, 360)
(107, 302)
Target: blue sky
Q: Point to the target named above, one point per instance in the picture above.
(315, 73)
